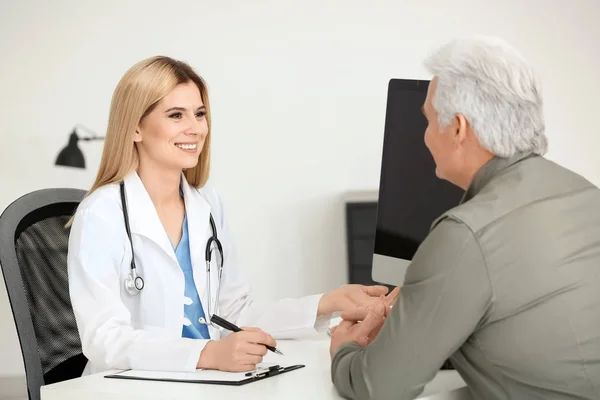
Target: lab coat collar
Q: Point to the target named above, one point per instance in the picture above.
(144, 219)
(198, 211)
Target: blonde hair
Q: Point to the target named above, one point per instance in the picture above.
(136, 95)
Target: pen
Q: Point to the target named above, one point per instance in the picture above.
(234, 328)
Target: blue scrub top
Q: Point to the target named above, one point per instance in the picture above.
(192, 309)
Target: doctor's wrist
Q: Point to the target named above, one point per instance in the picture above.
(326, 305)
(207, 356)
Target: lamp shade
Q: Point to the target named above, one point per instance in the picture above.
(71, 155)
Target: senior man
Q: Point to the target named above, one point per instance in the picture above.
(507, 284)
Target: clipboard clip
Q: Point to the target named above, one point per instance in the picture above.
(271, 371)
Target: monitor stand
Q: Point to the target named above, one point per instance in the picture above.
(389, 270)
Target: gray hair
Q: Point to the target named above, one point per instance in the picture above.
(491, 84)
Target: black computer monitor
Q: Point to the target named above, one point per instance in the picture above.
(411, 196)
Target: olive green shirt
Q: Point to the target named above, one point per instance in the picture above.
(506, 285)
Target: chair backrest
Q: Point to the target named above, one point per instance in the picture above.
(33, 258)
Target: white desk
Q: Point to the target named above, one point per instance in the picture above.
(310, 382)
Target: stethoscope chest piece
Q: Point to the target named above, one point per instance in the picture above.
(133, 283)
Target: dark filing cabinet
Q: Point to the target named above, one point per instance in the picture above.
(361, 220)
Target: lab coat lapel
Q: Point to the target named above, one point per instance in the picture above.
(198, 215)
(143, 217)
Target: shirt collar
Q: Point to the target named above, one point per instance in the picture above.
(491, 169)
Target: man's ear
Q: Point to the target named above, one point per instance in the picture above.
(460, 129)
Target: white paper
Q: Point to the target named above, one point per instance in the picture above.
(198, 375)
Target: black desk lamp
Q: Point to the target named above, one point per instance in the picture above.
(71, 155)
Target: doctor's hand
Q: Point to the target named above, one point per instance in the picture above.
(237, 352)
(349, 297)
(360, 325)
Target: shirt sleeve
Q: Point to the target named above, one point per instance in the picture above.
(446, 294)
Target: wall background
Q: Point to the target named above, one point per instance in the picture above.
(298, 92)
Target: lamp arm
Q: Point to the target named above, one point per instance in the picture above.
(93, 134)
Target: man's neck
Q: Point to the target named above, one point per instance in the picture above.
(161, 184)
(473, 166)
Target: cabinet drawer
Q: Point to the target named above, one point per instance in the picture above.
(362, 251)
(362, 219)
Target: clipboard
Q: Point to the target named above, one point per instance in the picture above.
(211, 377)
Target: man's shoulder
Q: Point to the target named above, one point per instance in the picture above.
(450, 228)
(531, 182)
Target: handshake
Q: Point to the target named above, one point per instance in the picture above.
(362, 324)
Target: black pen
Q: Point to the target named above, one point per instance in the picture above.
(234, 328)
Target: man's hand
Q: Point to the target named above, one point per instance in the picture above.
(390, 299)
(349, 297)
(360, 325)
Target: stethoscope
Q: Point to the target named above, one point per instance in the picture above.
(134, 283)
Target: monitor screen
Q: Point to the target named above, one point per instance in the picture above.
(411, 196)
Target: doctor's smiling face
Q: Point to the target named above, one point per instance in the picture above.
(171, 136)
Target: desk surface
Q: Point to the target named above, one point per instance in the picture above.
(311, 382)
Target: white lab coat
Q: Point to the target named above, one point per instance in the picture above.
(119, 330)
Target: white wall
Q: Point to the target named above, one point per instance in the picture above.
(298, 92)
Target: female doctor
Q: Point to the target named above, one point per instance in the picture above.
(150, 257)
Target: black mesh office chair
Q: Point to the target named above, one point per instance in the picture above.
(33, 258)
